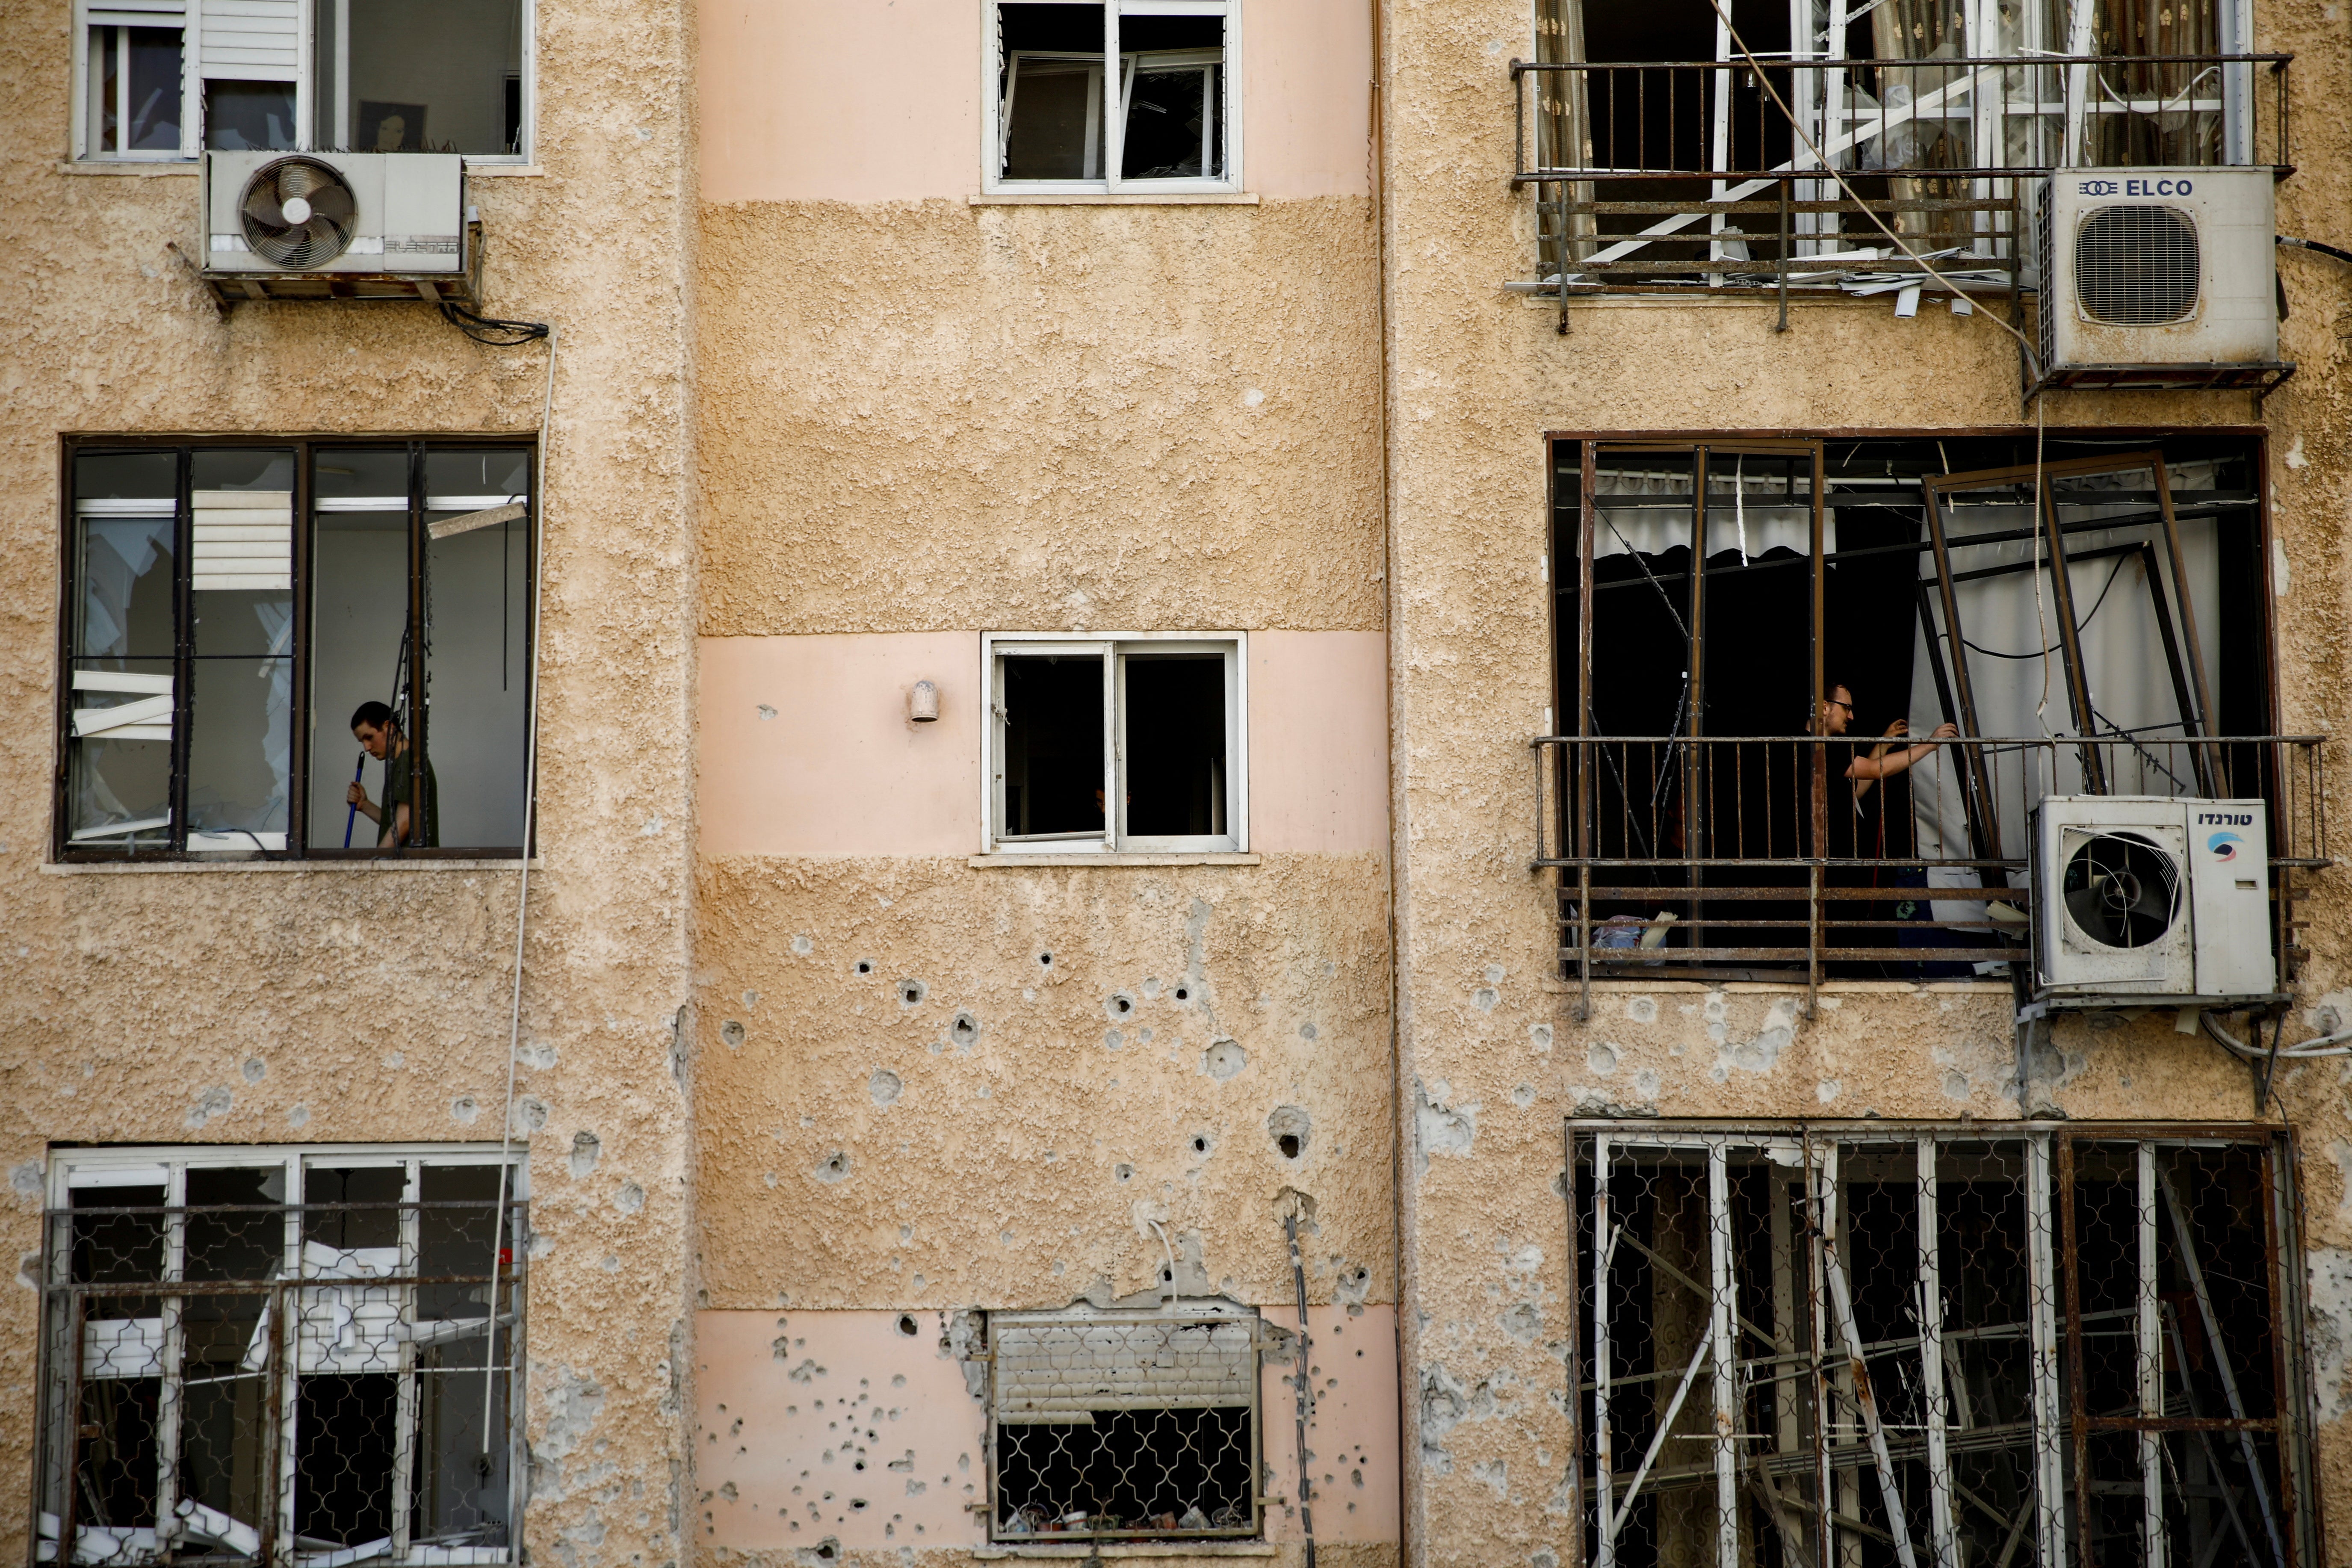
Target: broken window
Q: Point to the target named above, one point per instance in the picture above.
(1133, 744)
(1664, 160)
(169, 78)
(1123, 1423)
(1161, 118)
(280, 1356)
(1733, 797)
(232, 610)
(1889, 1347)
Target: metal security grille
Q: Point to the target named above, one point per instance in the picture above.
(1892, 1347)
(1124, 1424)
(2137, 265)
(228, 1376)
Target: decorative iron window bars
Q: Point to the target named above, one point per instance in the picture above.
(1963, 1347)
(309, 1384)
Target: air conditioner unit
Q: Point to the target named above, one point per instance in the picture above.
(2148, 899)
(340, 226)
(2158, 278)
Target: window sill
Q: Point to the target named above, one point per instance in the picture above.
(135, 868)
(1619, 985)
(1114, 199)
(1176, 858)
(1134, 1549)
(130, 166)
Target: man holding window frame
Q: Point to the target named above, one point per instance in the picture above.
(377, 730)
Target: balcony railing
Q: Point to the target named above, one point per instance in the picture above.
(1671, 175)
(1735, 858)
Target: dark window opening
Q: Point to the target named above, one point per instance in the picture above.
(1126, 1472)
(1053, 747)
(1175, 721)
(2073, 1345)
(233, 607)
(1699, 806)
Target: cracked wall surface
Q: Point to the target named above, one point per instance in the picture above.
(1492, 1055)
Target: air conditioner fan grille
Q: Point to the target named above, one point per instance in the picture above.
(2120, 890)
(298, 213)
(2136, 265)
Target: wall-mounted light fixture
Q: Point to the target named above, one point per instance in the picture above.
(923, 702)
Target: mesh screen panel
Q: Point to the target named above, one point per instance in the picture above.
(2137, 265)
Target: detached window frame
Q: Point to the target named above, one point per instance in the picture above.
(2108, 1327)
(233, 42)
(1004, 67)
(361, 1306)
(83, 693)
(1115, 649)
(1100, 1374)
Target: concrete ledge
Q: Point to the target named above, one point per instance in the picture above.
(1138, 1549)
(130, 166)
(1619, 985)
(994, 862)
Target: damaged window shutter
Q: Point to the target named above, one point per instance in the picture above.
(1064, 1372)
(251, 41)
(244, 538)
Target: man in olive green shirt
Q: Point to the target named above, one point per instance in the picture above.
(378, 732)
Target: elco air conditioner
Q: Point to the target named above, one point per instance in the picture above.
(2139, 898)
(293, 226)
(2158, 278)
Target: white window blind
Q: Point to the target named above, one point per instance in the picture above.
(251, 41)
(245, 539)
(1066, 1369)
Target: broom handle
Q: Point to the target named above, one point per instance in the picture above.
(351, 811)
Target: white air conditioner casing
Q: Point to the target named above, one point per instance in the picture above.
(409, 238)
(2143, 898)
(2158, 278)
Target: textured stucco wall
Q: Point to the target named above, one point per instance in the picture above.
(366, 1004)
(1493, 1056)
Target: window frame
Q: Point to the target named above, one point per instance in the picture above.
(1264, 1335)
(186, 17)
(1113, 647)
(1111, 130)
(63, 850)
(283, 1369)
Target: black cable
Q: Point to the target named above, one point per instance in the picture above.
(1991, 653)
(2291, 243)
(489, 330)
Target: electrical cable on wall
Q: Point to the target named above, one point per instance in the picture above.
(492, 332)
(523, 895)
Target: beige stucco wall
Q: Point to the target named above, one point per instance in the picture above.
(360, 1004)
(923, 420)
(1492, 1055)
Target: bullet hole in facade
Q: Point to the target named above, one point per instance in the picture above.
(911, 993)
(1290, 1127)
(1122, 1172)
(1307, 1031)
(908, 1326)
(1046, 960)
(834, 1167)
(1203, 1143)
(731, 1031)
(1120, 1004)
(864, 966)
(884, 1086)
(1225, 1060)
(965, 1029)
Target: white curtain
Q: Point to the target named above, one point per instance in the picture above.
(1649, 511)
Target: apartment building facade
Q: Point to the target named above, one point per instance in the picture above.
(1137, 800)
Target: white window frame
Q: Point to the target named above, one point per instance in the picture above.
(187, 16)
(1111, 130)
(1112, 648)
(168, 1167)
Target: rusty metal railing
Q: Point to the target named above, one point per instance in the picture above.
(1725, 857)
(1671, 175)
